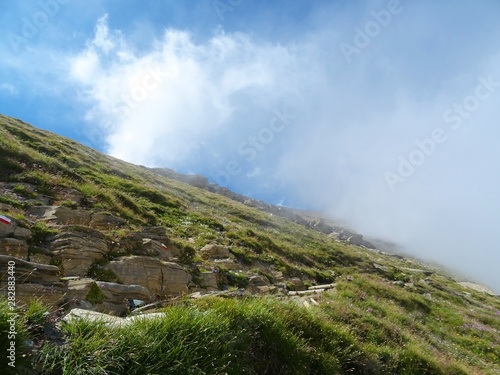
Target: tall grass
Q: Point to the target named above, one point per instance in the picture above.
(223, 336)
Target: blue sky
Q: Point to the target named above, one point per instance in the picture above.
(382, 113)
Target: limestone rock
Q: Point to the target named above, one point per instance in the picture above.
(14, 247)
(209, 281)
(156, 248)
(117, 295)
(51, 295)
(258, 280)
(214, 251)
(61, 215)
(78, 250)
(321, 226)
(68, 216)
(29, 272)
(160, 277)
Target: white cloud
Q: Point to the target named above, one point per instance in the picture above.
(159, 107)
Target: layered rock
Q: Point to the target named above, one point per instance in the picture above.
(29, 272)
(14, 247)
(32, 280)
(160, 277)
(68, 216)
(79, 249)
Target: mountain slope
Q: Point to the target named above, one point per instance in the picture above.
(87, 230)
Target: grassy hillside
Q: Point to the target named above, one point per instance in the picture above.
(386, 314)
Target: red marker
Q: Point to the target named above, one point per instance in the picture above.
(5, 219)
(164, 246)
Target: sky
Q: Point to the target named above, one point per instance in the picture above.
(384, 114)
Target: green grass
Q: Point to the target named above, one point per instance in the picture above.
(251, 336)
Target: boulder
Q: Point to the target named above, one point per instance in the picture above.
(78, 250)
(29, 272)
(259, 284)
(14, 247)
(118, 295)
(358, 240)
(155, 233)
(258, 280)
(214, 251)
(298, 284)
(156, 248)
(209, 281)
(115, 295)
(160, 277)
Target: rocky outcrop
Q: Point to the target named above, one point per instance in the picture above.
(209, 281)
(160, 277)
(115, 296)
(52, 295)
(259, 284)
(29, 272)
(79, 249)
(32, 280)
(68, 216)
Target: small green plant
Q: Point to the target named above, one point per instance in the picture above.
(69, 204)
(187, 255)
(95, 295)
(23, 191)
(40, 232)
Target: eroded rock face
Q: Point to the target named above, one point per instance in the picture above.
(78, 250)
(33, 280)
(68, 216)
(29, 272)
(51, 295)
(160, 277)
